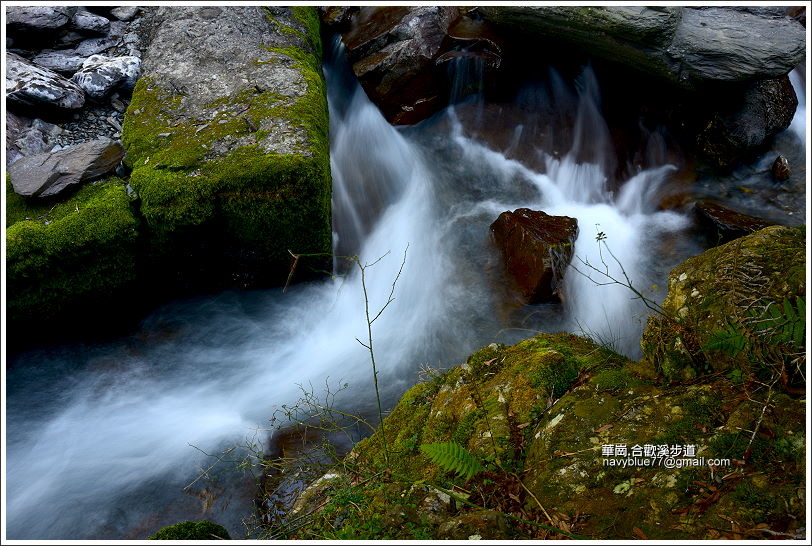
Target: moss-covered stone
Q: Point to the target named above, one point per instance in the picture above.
(78, 254)
(233, 171)
(192, 530)
(723, 286)
(737, 457)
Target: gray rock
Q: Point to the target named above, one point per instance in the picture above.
(64, 62)
(94, 46)
(690, 47)
(30, 85)
(69, 40)
(99, 75)
(48, 174)
(247, 88)
(125, 13)
(20, 19)
(90, 23)
(724, 44)
(15, 125)
(32, 137)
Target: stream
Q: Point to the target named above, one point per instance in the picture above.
(107, 440)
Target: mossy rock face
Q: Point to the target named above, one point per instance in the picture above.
(537, 416)
(567, 471)
(192, 530)
(75, 256)
(228, 143)
(723, 286)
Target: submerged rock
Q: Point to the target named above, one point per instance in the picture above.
(48, 174)
(725, 224)
(536, 249)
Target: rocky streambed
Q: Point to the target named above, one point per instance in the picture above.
(155, 153)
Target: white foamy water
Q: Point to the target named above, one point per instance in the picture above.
(99, 437)
(798, 125)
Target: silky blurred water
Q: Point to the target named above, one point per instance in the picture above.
(105, 439)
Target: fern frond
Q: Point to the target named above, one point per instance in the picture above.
(452, 457)
(730, 340)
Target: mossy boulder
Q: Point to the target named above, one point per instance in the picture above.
(228, 144)
(538, 417)
(729, 285)
(696, 497)
(77, 256)
(192, 530)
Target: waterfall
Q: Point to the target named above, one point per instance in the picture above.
(100, 437)
(798, 125)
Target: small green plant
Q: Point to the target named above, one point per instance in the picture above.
(783, 323)
(452, 457)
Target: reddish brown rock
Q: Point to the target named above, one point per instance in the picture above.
(780, 169)
(536, 248)
(724, 224)
(400, 54)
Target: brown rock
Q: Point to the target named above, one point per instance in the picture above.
(780, 169)
(536, 248)
(726, 224)
(393, 52)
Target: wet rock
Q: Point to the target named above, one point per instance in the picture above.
(780, 169)
(686, 46)
(23, 19)
(100, 75)
(125, 13)
(393, 52)
(47, 174)
(536, 249)
(733, 44)
(338, 18)
(30, 85)
(90, 23)
(724, 224)
(743, 124)
(64, 62)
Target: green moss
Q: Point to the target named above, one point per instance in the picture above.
(613, 379)
(211, 193)
(192, 530)
(754, 501)
(81, 252)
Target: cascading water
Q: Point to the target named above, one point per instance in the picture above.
(99, 436)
